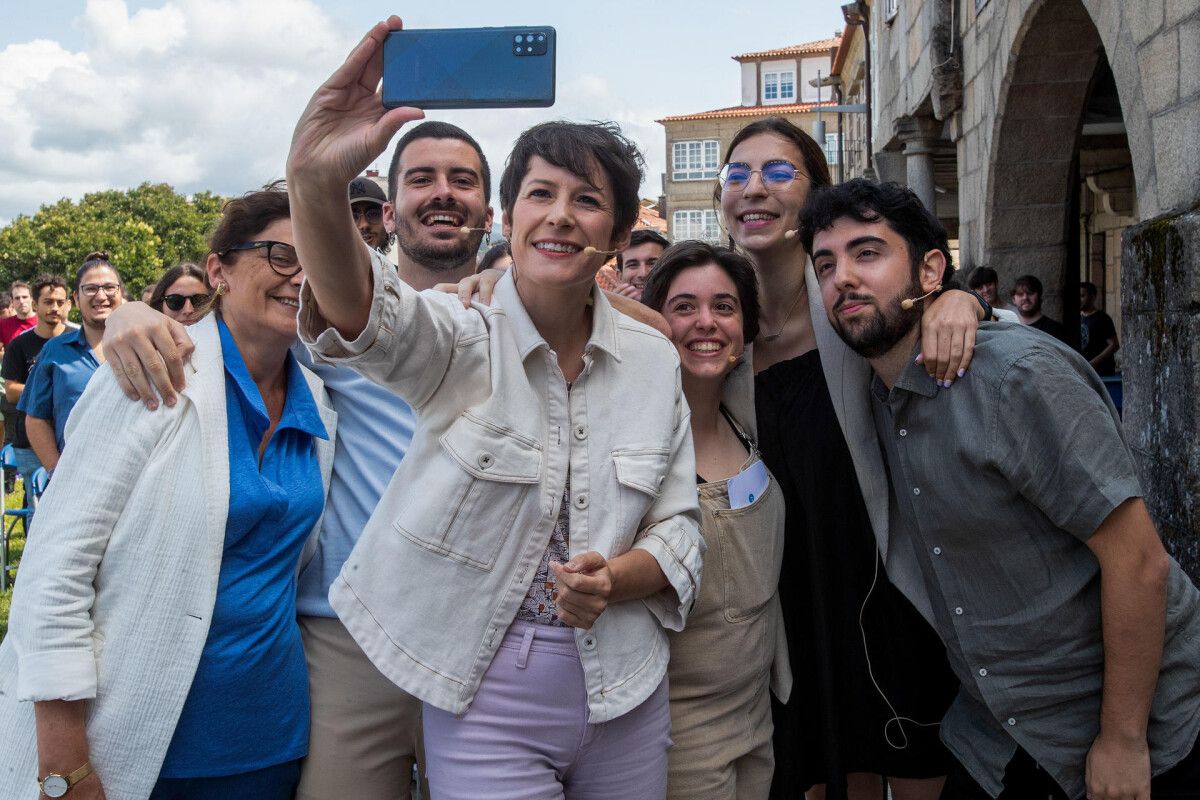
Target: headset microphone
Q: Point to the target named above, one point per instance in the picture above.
(591, 251)
(792, 234)
(465, 231)
(909, 302)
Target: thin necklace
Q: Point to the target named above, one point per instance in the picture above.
(770, 337)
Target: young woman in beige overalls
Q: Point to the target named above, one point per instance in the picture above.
(733, 649)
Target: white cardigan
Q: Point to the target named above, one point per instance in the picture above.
(118, 583)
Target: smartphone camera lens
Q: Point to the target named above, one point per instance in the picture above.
(541, 37)
(518, 38)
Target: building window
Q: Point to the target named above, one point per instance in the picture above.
(696, 224)
(695, 161)
(832, 147)
(779, 87)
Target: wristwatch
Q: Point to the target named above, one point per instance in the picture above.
(55, 785)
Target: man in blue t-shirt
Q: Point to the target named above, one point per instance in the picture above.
(366, 731)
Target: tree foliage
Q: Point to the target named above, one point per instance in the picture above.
(145, 230)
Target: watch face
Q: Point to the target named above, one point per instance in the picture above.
(55, 786)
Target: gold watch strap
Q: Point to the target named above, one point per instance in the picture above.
(74, 778)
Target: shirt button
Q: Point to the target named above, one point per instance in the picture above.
(1012, 721)
(581, 501)
(983, 673)
(916, 491)
(486, 460)
(904, 431)
(958, 610)
(937, 551)
(580, 432)
(589, 642)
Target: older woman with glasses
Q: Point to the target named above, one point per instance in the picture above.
(182, 293)
(154, 650)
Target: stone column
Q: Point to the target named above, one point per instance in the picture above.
(920, 136)
(1160, 290)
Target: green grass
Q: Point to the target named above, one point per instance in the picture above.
(16, 546)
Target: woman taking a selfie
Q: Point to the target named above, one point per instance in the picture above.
(732, 655)
(562, 532)
(154, 619)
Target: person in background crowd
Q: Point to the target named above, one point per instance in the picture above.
(154, 621)
(1027, 299)
(366, 731)
(635, 261)
(732, 655)
(52, 303)
(182, 293)
(1097, 333)
(148, 292)
(6, 305)
(67, 363)
(986, 282)
(495, 718)
(367, 202)
(23, 317)
(498, 257)
(1075, 637)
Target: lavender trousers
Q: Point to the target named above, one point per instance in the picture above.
(526, 734)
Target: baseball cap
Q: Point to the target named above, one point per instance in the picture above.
(365, 190)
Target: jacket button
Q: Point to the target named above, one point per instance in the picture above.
(581, 432)
(581, 501)
(486, 460)
(589, 642)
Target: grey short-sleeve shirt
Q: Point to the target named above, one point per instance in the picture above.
(997, 484)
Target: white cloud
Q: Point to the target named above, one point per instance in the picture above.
(203, 94)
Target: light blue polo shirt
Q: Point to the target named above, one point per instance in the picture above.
(248, 705)
(61, 373)
(375, 429)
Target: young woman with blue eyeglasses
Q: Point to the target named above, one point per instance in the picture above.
(860, 654)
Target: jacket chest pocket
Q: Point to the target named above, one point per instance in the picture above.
(466, 503)
(640, 473)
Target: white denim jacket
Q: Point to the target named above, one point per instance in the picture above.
(450, 551)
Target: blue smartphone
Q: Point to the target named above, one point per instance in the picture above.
(469, 68)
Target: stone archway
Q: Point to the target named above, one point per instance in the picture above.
(1030, 217)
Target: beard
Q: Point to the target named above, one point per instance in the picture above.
(438, 255)
(874, 337)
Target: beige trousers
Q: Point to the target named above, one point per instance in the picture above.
(366, 731)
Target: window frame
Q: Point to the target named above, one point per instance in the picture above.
(705, 165)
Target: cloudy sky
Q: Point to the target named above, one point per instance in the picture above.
(203, 94)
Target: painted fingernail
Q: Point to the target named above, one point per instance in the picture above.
(962, 372)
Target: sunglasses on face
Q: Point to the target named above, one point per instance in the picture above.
(373, 214)
(775, 175)
(175, 302)
(281, 256)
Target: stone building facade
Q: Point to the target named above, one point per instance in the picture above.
(1046, 133)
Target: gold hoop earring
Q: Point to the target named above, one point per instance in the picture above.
(222, 288)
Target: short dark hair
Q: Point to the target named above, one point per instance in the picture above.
(94, 259)
(180, 270)
(684, 255)
(12, 287)
(48, 281)
(1089, 287)
(5, 299)
(864, 201)
(1029, 283)
(496, 252)
(579, 148)
(436, 129)
(981, 276)
(242, 218)
(640, 237)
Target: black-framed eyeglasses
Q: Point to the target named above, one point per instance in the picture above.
(373, 213)
(92, 289)
(280, 255)
(735, 177)
(175, 302)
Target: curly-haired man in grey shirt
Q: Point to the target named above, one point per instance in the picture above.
(1016, 525)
